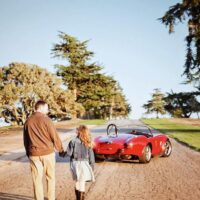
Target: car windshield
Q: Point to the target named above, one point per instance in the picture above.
(134, 131)
(114, 130)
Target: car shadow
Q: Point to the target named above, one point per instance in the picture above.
(119, 161)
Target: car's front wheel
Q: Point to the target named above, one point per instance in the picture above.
(146, 155)
(168, 149)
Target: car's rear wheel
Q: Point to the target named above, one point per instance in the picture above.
(146, 156)
(168, 149)
(99, 158)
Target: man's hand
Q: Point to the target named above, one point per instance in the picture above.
(62, 154)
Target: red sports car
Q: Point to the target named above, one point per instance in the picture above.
(131, 144)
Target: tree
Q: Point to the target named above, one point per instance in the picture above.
(93, 89)
(96, 94)
(120, 107)
(156, 104)
(21, 85)
(181, 104)
(77, 55)
(187, 10)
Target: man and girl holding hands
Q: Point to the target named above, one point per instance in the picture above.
(40, 141)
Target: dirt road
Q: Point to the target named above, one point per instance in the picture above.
(176, 177)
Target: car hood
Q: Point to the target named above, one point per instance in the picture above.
(121, 138)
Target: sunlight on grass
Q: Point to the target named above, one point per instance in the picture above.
(93, 122)
(187, 134)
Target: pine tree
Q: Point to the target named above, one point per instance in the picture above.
(93, 89)
(188, 10)
(156, 104)
(182, 104)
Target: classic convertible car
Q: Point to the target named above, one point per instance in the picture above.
(131, 144)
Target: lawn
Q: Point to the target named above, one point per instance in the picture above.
(60, 124)
(93, 122)
(187, 134)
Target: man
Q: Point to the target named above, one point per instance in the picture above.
(40, 139)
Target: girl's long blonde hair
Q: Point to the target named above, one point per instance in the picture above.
(84, 135)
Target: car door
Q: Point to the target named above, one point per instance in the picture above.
(155, 141)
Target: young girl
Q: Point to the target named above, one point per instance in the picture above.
(81, 160)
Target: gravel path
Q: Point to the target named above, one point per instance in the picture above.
(176, 177)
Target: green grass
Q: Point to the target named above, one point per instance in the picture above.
(187, 134)
(93, 122)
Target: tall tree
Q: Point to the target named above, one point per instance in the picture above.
(21, 85)
(120, 106)
(156, 103)
(188, 10)
(182, 104)
(76, 53)
(93, 89)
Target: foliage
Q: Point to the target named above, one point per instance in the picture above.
(21, 85)
(156, 104)
(181, 104)
(119, 106)
(187, 10)
(98, 93)
(92, 122)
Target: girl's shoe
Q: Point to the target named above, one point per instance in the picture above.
(77, 193)
(82, 195)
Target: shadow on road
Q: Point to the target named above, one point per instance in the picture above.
(21, 157)
(6, 196)
(135, 162)
(63, 130)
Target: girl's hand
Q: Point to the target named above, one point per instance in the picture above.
(62, 154)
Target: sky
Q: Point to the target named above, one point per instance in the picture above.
(126, 36)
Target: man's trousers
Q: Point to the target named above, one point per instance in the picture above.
(39, 165)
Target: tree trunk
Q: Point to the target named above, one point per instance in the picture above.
(111, 109)
(157, 115)
(75, 94)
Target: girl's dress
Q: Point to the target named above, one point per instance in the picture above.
(81, 161)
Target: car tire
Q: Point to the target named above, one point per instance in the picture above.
(168, 149)
(98, 159)
(146, 155)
